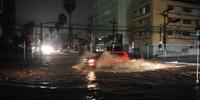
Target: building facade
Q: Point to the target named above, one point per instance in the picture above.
(7, 20)
(1, 16)
(148, 27)
(110, 20)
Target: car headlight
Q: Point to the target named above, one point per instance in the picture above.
(46, 49)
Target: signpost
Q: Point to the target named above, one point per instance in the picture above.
(114, 23)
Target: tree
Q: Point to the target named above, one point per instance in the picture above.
(57, 26)
(69, 6)
(61, 21)
(51, 29)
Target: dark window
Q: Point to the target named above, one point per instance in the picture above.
(186, 33)
(140, 22)
(140, 10)
(140, 33)
(169, 32)
(178, 32)
(134, 13)
(170, 7)
(187, 21)
(188, 10)
(147, 9)
(169, 19)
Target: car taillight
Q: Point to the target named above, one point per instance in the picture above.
(85, 60)
(91, 61)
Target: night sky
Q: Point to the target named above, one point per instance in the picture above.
(48, 10)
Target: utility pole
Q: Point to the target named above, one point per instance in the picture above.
(165, 15)
(90, 28)
(113, 21)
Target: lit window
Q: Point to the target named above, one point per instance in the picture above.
(143, 10)
(146, 9)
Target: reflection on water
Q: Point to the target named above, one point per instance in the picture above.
(91, 77)
(91, 84)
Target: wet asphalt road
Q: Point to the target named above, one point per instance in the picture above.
(59, 77)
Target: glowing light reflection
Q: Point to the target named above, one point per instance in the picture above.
(91, 77)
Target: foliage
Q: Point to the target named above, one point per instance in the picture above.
(69, 6)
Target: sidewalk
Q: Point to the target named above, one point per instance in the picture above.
(188, 59)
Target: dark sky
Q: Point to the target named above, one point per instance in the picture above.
(48, 10)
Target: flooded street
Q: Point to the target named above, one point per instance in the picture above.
(60, 77)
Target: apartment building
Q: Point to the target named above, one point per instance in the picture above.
(146, 22)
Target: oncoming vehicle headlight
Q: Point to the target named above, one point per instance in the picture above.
(46, 49)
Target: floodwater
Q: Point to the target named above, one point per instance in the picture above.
(132, 80)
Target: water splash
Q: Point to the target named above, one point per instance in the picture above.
(136, 66)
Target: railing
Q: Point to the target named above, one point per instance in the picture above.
(177, 51)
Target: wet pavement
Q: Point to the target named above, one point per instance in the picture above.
(61, 77)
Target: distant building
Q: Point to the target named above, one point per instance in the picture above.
(1, 16)
(147, 26)
(104, 13)
(7, 20)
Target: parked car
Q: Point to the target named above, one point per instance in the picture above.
(106, 57)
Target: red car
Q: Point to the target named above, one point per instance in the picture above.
(106, 57)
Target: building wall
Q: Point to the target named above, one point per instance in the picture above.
(1, 13)
(146, 27)
(105, 11)
(8, 18)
